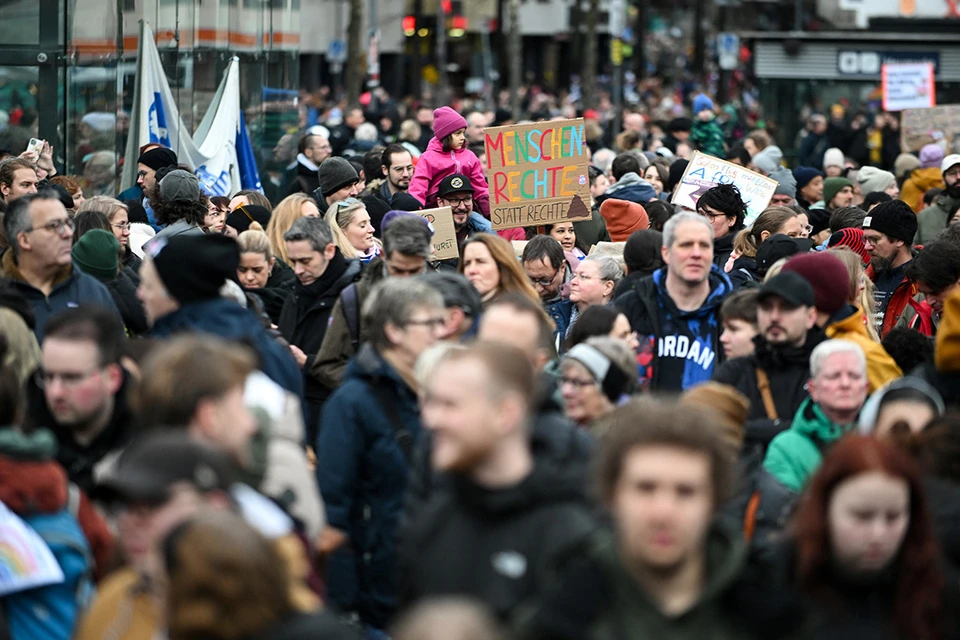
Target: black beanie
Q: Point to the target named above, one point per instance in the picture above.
(241, 217)
(195, 267)
(895, 219)
(158, 158)
(336, 173)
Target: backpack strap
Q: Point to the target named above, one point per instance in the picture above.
(763, 385)
(388, 402)
(73, 500)
(351, 311)
(750, 516)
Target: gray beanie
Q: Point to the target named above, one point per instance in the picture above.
(872, 179)
(786, 183)
(336, 173)
(768, 160)
(180, 186)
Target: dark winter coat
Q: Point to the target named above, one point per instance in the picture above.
(723, 247)
(362, 474)
(80, 460)
(130, 260)
(690, 337)
(271, 301)
(123, 289)
(306, 315)
(499, 546)
(72, 288)
(305, 180)
(230, 321)
(599, 599)
(788, 370)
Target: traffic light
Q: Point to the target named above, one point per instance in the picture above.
(409, 25)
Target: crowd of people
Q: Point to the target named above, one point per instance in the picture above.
(278, 415)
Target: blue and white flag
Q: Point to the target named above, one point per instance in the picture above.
(214, 152)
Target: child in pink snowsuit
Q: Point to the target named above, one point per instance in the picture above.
(446, 155)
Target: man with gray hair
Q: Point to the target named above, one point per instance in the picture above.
(38, 264)
(322, 274)
(838, 388)
(406, 248)
(369, 427)
(676, 310)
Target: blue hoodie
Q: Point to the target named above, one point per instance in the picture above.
(230, 321)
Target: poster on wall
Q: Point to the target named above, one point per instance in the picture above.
(537, 173)
(908, 86)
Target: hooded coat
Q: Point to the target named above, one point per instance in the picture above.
(847, 324)
(796, 454)
(919, 182)
(685, 344)
(934, 219)
(500, 546)
(630, 187)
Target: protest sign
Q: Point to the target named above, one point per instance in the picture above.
(705, 172)
(26, 561)
(537, 173)
(907, 86)
(444, 233)
(920, 127)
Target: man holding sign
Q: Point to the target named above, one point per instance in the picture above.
(457, 192)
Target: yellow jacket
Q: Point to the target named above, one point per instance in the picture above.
(881, 368)
(917, 184)
(124, 609)
(947, 356)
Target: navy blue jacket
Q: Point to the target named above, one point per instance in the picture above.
(228, 320)
(73, 289)
(362, 473)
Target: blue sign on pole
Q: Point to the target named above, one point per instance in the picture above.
(337, 51)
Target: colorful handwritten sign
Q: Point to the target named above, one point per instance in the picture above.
(705, 172)
(920, 127)
(537, 173)
(444, 233)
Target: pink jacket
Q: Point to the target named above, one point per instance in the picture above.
(435, 164)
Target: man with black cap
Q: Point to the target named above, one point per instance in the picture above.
(456, 192)
(773, 376)
(338, 181)
(888, 236)
(150, 162)
(777, 247)
(180, 283)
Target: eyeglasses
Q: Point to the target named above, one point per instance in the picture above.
(430, 323)
(459, 202)
(711, 216)
(57, 226)
(583, 278)
(808, 229)
(546, 282)
(577, 383)
(122, 226)
(69, 379)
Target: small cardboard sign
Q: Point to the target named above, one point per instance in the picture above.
(537, 173)
(444, 233)
(705, 172)
(908, 85)
(920, 127)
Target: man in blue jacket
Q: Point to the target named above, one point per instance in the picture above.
(39, 264)
(368, 431)
(180, 283)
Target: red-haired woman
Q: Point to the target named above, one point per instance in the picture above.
(865, 552)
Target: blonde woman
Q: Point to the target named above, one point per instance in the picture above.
(290, 209)
(352, 230)
(257, 264)
(119, 218)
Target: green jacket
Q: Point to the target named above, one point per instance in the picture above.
(933, 219)
(795, 454)
(607, 603)
(708, 136)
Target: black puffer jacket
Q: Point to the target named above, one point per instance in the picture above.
(500, 546)
(788, 370)
(123, 289)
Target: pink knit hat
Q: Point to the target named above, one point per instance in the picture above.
(446, 121)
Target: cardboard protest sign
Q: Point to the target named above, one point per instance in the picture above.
(907, 86)
(919, 127)
(444, 233)
(537, 173)
(705, 172)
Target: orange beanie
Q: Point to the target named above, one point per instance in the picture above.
(623, 218)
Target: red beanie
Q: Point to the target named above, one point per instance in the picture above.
(852, 239)
(623, 218)
(827, 275)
